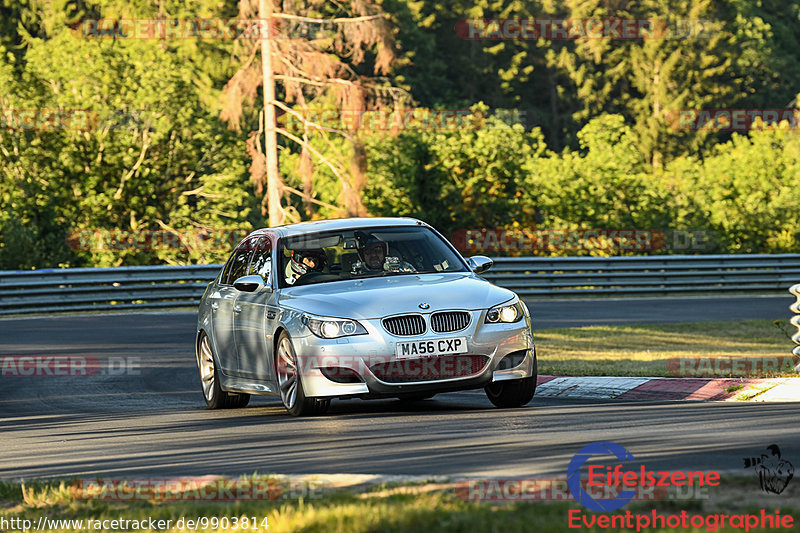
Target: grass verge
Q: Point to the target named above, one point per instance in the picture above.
(750, 348)
(396, 508)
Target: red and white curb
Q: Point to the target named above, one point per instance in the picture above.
(644, 388)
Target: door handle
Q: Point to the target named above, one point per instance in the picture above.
(237, 308)
(215, 306)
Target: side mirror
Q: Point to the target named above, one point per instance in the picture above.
(480, 263)
(252, 283)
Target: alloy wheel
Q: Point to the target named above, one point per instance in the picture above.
(287, 373)
(206, 361)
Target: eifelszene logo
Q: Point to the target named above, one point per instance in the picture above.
(611, 479)
(574, 476)
(774, 472)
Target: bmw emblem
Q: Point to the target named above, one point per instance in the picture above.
(424, 305)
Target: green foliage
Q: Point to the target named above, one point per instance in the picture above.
(745, 56)
(144, 150)
(464, 176)
(748, 190)
(498, 176)
(603, 185)
(147, 156)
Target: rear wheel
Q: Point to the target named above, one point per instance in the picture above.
(290, 382)
(514, 392)
(215, 397)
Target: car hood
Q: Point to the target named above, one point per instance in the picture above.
(378, 297)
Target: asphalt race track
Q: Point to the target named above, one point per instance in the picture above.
(150, 419)
(615, 311)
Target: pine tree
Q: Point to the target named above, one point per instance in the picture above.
(313, 57)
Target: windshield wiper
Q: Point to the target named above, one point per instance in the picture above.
(380, 274)
(400, 273)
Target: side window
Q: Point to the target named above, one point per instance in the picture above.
(261, 263)
(238, 263)
(227, 269)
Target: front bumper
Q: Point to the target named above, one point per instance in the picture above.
(365, 365)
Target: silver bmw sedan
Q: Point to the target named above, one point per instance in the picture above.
(359, 308)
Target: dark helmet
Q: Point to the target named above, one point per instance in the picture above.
(371, 243)
(304, 261)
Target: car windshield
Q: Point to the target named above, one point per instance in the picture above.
(364, 253)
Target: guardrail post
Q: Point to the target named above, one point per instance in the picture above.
(795, 289)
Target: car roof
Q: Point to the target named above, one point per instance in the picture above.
(337, 224)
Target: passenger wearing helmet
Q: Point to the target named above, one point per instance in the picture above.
(304, 261)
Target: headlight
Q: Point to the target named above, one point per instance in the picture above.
(505, 313)
(331, 328)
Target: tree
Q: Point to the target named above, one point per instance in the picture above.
(746, 188)
(470, 176)
(603, 185)
(149, 156)
(685, 64)
(315, 58)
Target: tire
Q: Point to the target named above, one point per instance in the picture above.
(513, 393)
(215, 397)
(290, 382)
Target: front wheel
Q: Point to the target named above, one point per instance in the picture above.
(290, 382)
(514, 392)
(215, 397)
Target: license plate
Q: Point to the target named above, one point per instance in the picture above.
(431, 347)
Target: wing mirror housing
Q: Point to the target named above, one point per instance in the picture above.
(251, 283)
(480, 263)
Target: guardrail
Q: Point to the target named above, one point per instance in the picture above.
(795, 321)
(98, 289)
(646, 275)
(82, 289)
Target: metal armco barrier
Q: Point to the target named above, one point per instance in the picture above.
(646, 275)
(81, 289)
(795, 307)
(86, 289)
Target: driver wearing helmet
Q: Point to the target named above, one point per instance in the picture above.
(304, 261)
(373, 252)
